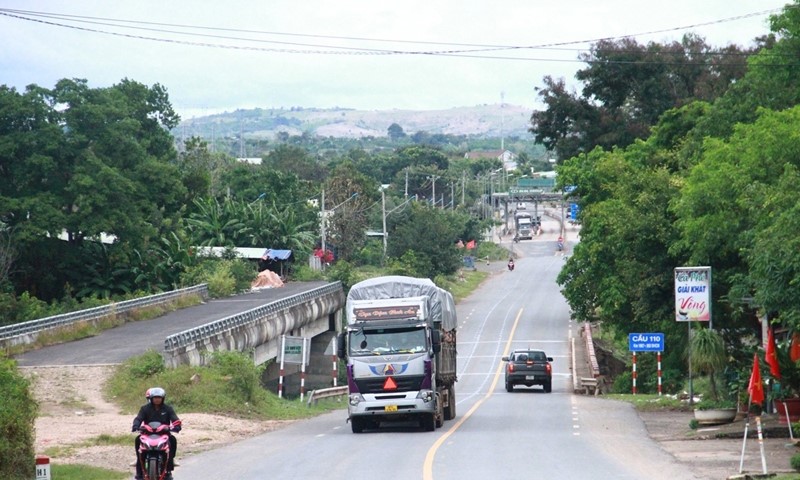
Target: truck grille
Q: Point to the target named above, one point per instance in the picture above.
(406, 383)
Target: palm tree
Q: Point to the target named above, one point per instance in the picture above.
(218, 224)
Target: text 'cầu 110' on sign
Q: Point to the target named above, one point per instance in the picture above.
(693, 294)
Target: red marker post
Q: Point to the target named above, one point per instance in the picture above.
(42, 467)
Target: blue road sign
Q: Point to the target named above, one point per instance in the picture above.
(573, 210)
(646, 342)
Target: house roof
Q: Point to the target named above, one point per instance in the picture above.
(245, 252)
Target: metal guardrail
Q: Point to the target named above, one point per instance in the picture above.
(190, 336)
(326, 393)
(36, 326)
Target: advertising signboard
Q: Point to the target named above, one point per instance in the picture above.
(693, 294)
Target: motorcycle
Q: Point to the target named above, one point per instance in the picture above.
(154, 450)
(510, 266)
(560, 244)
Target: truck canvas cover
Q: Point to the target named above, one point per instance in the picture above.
(441, 306)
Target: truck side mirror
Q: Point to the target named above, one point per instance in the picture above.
(340, 346)
(436, 340)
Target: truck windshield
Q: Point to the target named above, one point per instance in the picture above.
(384, 341)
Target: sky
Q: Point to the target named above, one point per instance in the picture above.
(361, 54)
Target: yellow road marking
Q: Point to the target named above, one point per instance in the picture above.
(427, 468)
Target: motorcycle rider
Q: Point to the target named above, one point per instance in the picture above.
(156, 410)
(511, 264)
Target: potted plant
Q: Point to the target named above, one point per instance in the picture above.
(708, 355)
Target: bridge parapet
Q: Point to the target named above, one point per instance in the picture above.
(259, 328)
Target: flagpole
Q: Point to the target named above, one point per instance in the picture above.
(744, 440)
(755, 389)
(761, 444)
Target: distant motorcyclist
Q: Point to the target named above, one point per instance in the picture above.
(156, 410)
(510, 264)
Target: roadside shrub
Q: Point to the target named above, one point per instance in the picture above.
(410, 264)
(245, 377)
(224, 277)
(795, 462)
(146, 365)
(304, 273)
(343, 272)
(623, 383)
(18, 411)
(221, 282)
(243, 273)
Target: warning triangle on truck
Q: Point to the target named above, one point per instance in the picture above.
(389, 384)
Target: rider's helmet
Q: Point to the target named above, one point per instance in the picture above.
(156, 392)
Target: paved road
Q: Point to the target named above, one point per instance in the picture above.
(134, 338)
(496, 434)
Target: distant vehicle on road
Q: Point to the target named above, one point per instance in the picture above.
(523, 225)
(529, 368)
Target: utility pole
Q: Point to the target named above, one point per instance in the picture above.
(322, 223)
(502, 119)
(463, 186)
(452, 195)
(406, 183)
(433, 186)
(383, 206)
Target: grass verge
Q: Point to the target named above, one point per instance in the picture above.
(85, 472)
(229, 385)
(651, 402)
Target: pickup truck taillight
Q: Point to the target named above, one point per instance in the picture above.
(510, 367)
(549, 368)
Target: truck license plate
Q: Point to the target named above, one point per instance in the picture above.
(390, 408)
(530, 377)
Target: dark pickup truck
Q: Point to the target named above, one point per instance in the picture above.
(529, 368)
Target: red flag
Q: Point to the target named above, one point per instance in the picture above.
(771, 356)
(756, 388)
(470, 244)
(794, 349)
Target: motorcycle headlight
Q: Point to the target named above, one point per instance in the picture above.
(355, 399)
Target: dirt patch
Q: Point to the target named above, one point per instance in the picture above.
(73, 414)
(714, 452)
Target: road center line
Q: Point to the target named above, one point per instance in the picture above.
(427, 468)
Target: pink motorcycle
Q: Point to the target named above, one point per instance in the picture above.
(154, 450)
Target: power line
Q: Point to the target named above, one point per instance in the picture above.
(340, 50)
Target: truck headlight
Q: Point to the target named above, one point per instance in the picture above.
(425, 395)
(356, 398)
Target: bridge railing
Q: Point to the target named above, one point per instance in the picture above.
(34, 327)
(191, 336)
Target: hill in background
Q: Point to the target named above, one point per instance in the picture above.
(490, 121)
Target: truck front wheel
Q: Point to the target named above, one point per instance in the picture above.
(428, 422)
(357, 424)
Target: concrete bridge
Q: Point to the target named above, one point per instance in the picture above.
(315, 314)
(252, 322)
